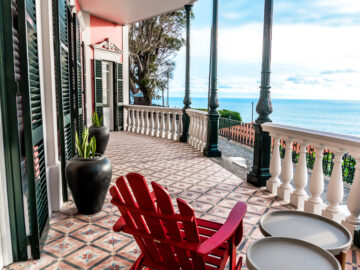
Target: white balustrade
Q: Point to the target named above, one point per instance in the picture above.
(154, 121)
(197, 129)
(338, 144)
(315, 204)
(287, 172)
(275, 167)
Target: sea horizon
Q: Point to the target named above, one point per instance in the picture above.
(338, 116)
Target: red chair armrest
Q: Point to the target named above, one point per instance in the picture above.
(119, 225)
(226, 231)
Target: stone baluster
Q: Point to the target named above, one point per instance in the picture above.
(299, 196)
(138, 121)
(162, 126)
(180, 126)
(142, 128)
(147, 123)
(287, 172)
(199, 135)
(125, 119)
(315, 204)
(129, 126)
(174, 127)
(157, 124)
(352, 222)
(335, 191)
(190, 127)
(204, 135)
(152, 129)
(275, 167)
(168, 126)
(134, 121)
(194, 117)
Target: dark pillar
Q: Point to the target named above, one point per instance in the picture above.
(212, 146)
(260, 170)
(187, 100)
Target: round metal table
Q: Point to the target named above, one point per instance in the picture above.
(281, 253)
(311, 228)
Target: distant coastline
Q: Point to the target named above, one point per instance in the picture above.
(339, 116)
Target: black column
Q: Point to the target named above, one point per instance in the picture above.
(260, 170)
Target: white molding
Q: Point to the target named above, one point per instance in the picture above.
(81, 21)
(48, 99)
(5, 235)
(107, 51)
(125, 67)
(86, 38)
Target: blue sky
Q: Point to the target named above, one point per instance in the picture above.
(316, 49)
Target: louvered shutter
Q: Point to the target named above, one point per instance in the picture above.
(62, 68)
(118, 106)
(98, 87)
(78, 80)
(33, 124)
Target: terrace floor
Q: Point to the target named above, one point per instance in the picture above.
(88, 242)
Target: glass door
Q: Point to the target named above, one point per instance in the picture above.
(107, 94)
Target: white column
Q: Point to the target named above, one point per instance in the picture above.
(300, 180)
(133, 128)
(275, 167)
(168, 126)
(157, 124)
(315, 204)
(152, 123)
(174, 128)
(335, 192)
(126, 118)
(352, 222)
(287, 172)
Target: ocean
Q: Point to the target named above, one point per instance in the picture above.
(337, 116)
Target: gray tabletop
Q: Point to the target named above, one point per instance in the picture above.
(280, 253)
(312, 228)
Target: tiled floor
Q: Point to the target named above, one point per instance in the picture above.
(87, 242)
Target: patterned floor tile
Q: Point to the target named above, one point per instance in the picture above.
(87, 242)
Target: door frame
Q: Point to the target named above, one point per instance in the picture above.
(112, 92)
(109, 52)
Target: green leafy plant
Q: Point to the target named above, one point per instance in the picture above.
(85, 149)
(96, 121)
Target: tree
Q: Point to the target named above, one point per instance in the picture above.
(153, 44)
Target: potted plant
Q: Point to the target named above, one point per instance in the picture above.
(100, 132)
(88, 175)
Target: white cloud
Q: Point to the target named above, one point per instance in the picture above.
(301, 50)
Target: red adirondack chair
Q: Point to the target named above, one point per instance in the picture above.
(169, 240)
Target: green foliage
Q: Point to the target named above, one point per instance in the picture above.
(226, 114)
(153, 44)
(85, 149)
(230, 114)
(96, 121)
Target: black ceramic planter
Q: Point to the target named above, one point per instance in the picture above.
(89, 181)
(102, 135)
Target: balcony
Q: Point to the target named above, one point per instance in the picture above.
(88, 242)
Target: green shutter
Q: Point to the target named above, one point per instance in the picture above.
(62, 68)
(98, 87)
(33, 124)
(78, 80)
(12, 120)
(118, 106)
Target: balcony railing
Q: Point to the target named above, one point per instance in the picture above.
(282, 174)
(164, 122)
(237, 131)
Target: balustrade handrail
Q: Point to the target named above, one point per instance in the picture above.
(347, 142)
(153, 108)
(196, 111)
